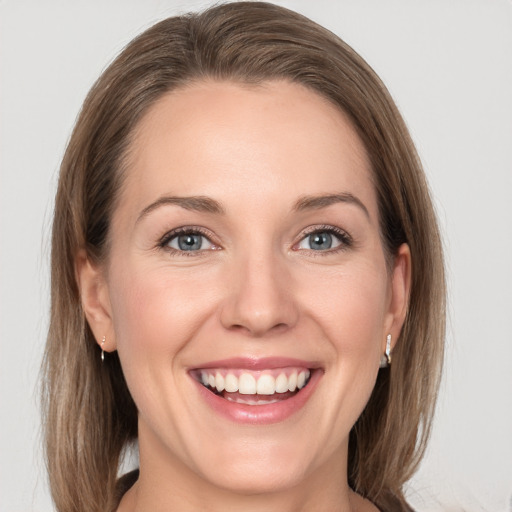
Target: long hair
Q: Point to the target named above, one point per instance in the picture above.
(90, 416)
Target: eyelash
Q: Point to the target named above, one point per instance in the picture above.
(343, 237)
(185, 230)
(346, 241)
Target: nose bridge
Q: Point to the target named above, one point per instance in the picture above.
(259, 298)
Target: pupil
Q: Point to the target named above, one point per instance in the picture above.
(189, 242)
(320, 241)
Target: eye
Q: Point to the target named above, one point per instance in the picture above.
(324, 239)
(187, 241)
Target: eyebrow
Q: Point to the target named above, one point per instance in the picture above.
(194, 203)
(209, 205)
(322, 201)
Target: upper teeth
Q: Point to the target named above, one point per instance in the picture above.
(252, 383)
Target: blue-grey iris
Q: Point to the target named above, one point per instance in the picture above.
(320, 241)
(190, 242)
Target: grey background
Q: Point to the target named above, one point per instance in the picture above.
(448, 63)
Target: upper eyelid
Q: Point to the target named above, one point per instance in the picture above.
(323, 227)
(343, 236)
(315, 228)
(169, 235)
(164, 243)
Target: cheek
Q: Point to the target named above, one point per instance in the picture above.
(352, 315)
(351, 306)
(155, 314)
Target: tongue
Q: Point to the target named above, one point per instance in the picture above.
(257, 399)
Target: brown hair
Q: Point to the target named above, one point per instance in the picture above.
(90, 416)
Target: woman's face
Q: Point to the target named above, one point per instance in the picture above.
(246, 261)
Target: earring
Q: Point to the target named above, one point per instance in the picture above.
(102, 351)
(385, 360)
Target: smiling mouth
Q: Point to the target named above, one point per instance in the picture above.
(254, 387)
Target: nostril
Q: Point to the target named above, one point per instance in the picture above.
(237, 327)
(256, 331)
(280, 327)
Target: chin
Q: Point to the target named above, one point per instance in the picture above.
(246, 479)
(256, 467)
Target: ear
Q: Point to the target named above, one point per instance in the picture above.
(400, 288)
(95, 300)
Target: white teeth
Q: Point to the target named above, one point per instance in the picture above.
(254, 383)
(219, 381)
(247, 384)
(301, 380)
(292, 381)
(231, 383)
(282, 383)
(266, 385)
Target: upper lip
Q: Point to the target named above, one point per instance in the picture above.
(257, 363)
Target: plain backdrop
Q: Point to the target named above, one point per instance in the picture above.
(448, 64)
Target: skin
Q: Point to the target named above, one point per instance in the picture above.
(256, 289)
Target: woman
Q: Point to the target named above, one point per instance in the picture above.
(243, 236)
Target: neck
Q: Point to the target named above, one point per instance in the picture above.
(149, 497)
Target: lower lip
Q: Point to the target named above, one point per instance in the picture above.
(260, 414)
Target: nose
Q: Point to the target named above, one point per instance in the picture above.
(259, 297)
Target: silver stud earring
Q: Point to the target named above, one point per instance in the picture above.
(102, 351)
(385, 360)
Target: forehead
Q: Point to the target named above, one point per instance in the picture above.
(274, 141)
